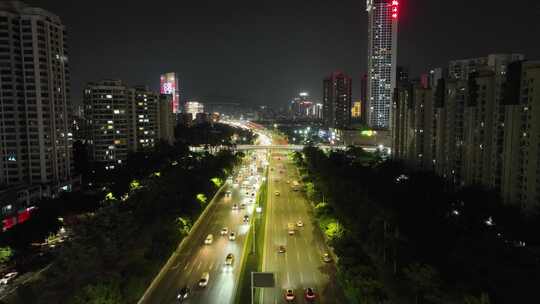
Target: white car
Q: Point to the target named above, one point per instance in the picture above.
(8, 277)
(224, 231)
(232, 236)
(300, 223)
(277, 193)
(209, 239)
(203, 282)
(235, 207)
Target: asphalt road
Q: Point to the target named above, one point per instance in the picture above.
(301, 266)
(194, 258)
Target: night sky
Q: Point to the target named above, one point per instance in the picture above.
(265, 52)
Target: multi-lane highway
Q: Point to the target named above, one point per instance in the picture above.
(301, 265)
(194, 257)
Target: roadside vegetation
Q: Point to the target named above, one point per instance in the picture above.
(408, 237)
(120, 230)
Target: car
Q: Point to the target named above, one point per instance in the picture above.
(242, 206)
(209, 239)
(234, 207)
(277, 193)
(203, 281)
(326, 258)
(229, 259)
(8, 278)
(224, 231)
(232, 236)
(246, 218)
(300, 223)
(289, 295)
(281, 249)
(183, 294)
(228, 194)
(309, 294)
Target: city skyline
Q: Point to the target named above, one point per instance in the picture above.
(253, 46)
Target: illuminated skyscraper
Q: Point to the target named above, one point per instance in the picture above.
(169, 85)
(382, 57)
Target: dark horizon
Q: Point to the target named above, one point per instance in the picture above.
(265, 53)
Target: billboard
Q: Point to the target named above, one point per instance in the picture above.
(169, 85)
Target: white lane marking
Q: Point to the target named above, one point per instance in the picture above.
(187, 264)
(301, 278)
(199, 266)
(212, 266)
(288, 279)
(309, 257)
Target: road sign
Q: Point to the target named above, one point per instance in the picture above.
(261, 280)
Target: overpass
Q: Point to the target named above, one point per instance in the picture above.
(286, 147)
(279, 147)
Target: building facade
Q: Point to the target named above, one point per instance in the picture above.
(167, 119)
(337, 91)
(36, 114)
(382, 58)
(194, 107)
(36, 141)
(169, 85)
(110, 119)
(146, 118)
(480, 125)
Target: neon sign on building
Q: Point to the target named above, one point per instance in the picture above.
(169, 85)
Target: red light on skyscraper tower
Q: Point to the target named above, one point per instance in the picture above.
(394, 8)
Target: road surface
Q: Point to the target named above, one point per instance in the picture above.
(301, 266)
(193, 258)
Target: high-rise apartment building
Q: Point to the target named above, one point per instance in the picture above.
(146, 118)
(484, 125)
(521, 169)
(382, 58)
(110, 119)
(121, 119)
(167, 119)
(337, 91)
(35, 115)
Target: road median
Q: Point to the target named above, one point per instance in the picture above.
(252, 261)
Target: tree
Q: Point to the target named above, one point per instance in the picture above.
(6, 253)
(482, 299)
(424, 280)
(101, 293)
